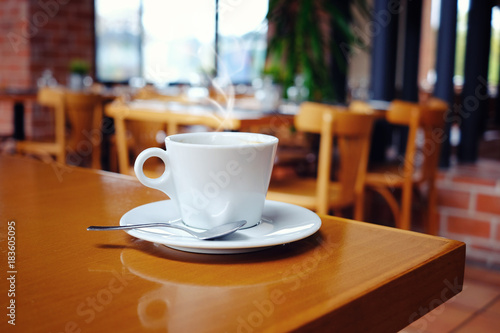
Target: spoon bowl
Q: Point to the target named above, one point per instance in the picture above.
(216, 232)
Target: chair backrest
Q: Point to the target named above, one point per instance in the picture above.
(360, 107)
(427, 117)
(434, 113)
(352, 132)
(50, 97)
(84, 112)
(432, 122)
(403, 113)
(145, 134)
(310, 117)
(54, 98)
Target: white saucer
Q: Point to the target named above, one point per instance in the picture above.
(281, 223)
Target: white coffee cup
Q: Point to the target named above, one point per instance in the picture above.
(214, 177)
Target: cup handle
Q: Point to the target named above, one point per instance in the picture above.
(161, 183)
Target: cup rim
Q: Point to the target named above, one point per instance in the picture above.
(175, 139)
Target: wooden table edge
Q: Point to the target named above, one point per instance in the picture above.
(448, 265)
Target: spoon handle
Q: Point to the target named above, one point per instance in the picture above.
(130, 226)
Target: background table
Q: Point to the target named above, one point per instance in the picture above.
(348, 277)
(175, 114)
(18, 99)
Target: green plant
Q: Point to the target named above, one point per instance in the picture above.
(78, 66)
(312, 38)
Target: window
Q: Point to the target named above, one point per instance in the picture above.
(462, 20)
(494, 67)
(117, 40)
(175, 41)
(242, 39)
(461, 40)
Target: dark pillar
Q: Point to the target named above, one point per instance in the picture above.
(475, 91)
(411, 50)
(411, 56)
(384, 49)
(383, 68)
(18, 120)
(445, 68)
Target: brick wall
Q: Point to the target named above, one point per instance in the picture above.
(469, 209)
(14, 50)
(64, 30)
(41, 34)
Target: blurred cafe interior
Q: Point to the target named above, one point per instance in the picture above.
(92, 83)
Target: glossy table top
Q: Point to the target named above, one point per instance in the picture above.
(348, 277)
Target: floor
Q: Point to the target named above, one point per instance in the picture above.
(476, 309)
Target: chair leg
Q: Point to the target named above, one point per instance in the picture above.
(359, 207)
(406, 205)
(432, 223)
(113, 157)
(392, 202)
(96, 157)
(121, 146)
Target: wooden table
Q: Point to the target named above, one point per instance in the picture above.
(348, 277)
(18, 97)
(175, 114)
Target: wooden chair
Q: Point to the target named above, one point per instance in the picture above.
(142, 135)
(352, 133)
(432, 123)
(133, 134)
(136, 131)
(52, 99)
(84, 114)
(427, 119)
